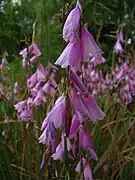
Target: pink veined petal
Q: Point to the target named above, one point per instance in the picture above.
(95, 113)
(41, 73)
(85, 140)
(59, 154)
(16, 87)
(118, 47)
(25, 114)
(77, 82)
(88, 172)
(63, 60)
(72, 23)
(75, 55)
(70, 56)
(20, 106)
(32, 80)
(77, 103)
(57, 115)
(93, 154)
(78, 167)
(89, 46)
(74, 126)
(36, 49)
(33, 59)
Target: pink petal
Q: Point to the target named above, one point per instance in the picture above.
(72, 23)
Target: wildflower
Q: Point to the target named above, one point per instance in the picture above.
(89, 46)
(16, 87)
(59, 153)
(71, 55)
(86, 143)
(118, 46)
(57, 115)
(86, 169)
(86, 106)
(75, 124)
(71, 25)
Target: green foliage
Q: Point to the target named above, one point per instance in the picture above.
(20, 152)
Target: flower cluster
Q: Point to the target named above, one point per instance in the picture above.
(64, 130)
(39, 85)
(33, 49)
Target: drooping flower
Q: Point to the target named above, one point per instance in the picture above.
(57, 115)
(86, 106)
(16, 87)
(118, 45)
(71, 25)
(48, 134)
(89, 46)
(59, 153)
(71, 55)
(77, 82)
(75, 124)
(33, 48)
(86, 169)
(4, 62)
(20, 106)
(86, 142)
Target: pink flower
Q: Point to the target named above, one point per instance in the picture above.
(86, 106)
(71, 25)
(70, 56)
(86, 143)
(74, 126)
(86, 169)
(40, 98)
(16, 87)
(118, 46)
(31, 82)
(88, 172)
(20, 106)
(4, 62)
(57, 115)
(89, 46)
(25, 114)
(59, 154)
(48, 134)
(77, 82)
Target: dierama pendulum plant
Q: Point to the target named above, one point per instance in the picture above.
(65, 130)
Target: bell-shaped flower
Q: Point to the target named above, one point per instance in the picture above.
(57, 115)
(118, 47)
(88, 172)
(86, 143)
(20, 106)
(16, 87)
(86, 169)
(75, 124)
(39, 99)
(25, 114)
(89, 46)
(31, 82)
(4, 62)
(97, 60)
(71, 25)
(41, 73)
(71, 55)
(48, 134)
(86, 106)
(77, 82)
(59, 153)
